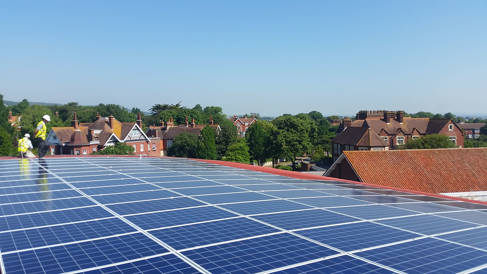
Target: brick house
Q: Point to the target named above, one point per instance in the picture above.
(384, 130)
(448, 170)
(471, 130)
(86, 138)
(242, 124)
(163, 136)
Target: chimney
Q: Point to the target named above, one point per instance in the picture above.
(57, 114)
(400, 116)
(139, 120)
(347, 122)
(97, 115)
(92, 135)
(193, 124)
(388, 115)
(10, 115)
(187, 122)
(74, 122)
(110, 121)
(170, 123)
(211, 120)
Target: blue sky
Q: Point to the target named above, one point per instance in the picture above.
(270, 57)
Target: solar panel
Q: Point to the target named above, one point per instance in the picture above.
(129, 215)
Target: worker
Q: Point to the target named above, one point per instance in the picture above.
(24, 145)
(40, 133)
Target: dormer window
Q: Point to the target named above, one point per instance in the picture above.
(450, 127)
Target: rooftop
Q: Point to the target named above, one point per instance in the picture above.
(179, 215)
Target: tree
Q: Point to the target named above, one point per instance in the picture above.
(259, 138)
(117, 149)
(184, 145)
(238, 152)
(430, 141)
(6, 132)
(227, 136)
(483, 130)
(207, 146)
(20, 107)
(294, 134)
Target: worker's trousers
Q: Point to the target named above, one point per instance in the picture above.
(43, 148)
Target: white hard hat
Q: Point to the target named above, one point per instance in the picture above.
(27, 135)
(47, 118)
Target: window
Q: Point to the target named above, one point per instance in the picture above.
(415, 137)
(453, 139)
(386, 139)
(135, 148)
(154, 147)
(84, 151)
(450, 127)
(400, 140)
(363, 148)
(141, 147)
(94, 149)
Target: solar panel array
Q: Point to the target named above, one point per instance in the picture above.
(111, 215)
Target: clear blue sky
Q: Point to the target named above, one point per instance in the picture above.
(270, 57)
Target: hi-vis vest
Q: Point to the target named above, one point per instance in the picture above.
(23, 146)
(42, 132)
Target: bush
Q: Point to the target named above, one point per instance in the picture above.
(117, 149)
(237, 152)
(430, 141)
(284, 168)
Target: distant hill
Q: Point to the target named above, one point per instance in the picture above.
(12, 103)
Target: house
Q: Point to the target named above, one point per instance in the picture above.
(163, 136)
(85, 138)
(384, 130)
(471, 130)
(242, 124)
(455, 172)
(14, 120)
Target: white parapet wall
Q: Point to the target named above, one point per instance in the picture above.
(472, 195)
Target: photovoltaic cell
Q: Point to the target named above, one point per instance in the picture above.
(119, 189)
(305, 218)
(179, 217)
(155, 205)
(82, 255)
(427, 224)
(330, 201)
(357, 236)
(24, 239)
(474, 237)
(231, 198)
(211, 232)
(50, 218)
(19, 208)
(373, 211)
(169, 264)
(427, 256)
(255, 255)
(342, 264)
(249, 208)
(134, 196)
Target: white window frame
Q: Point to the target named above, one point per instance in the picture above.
(399, 138)
(450, 127)
(453, 139)
(141, 147)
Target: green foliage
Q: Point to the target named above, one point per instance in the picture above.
(207, 146)
(179, 114)
(184, 145)
(284, 168)
(7, 138)
(227, 136)
(238, 152)
(483, 130)
(481, 142)
(20, 107)
(117, 149)
(430, 141)
(296, 135)
(263, 141)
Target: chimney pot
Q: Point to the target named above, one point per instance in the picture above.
(110, 121)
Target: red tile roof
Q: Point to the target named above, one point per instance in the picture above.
(426, 170)
(471, 125)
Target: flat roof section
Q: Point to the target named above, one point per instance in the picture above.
(123, 214)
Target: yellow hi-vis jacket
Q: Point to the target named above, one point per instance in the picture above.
(41, 130)
(23, 145)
